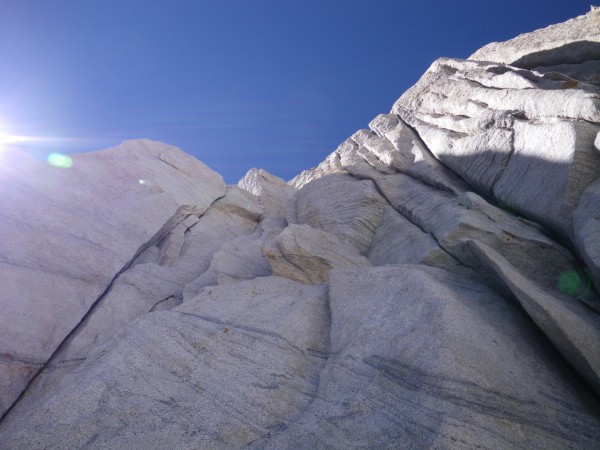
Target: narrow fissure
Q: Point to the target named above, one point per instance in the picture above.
(95, 305)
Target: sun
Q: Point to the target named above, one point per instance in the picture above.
(5, 137)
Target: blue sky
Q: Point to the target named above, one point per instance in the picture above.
(238, 84)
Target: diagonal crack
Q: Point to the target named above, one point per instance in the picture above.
(181, 214)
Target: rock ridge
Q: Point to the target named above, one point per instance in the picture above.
(432, 283)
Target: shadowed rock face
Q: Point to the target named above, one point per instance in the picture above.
(432, 283)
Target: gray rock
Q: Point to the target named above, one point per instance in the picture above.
(573, 328)
(220, 224)
(141, 290)
(194, 287)
(137, 291)
(240, 259)
(454, 220)
(330, 165)
(526, 147)
(411, 156)
(586, 225)
(189, 251)
(546, 175)
(73, 230)
(232, 264)
(339, 204)
(572, 41)
(305, 254)
(398, 241)
(215, 372)
(422, 358)
(456, 87)
(273, 193)
(586, 71)
(359, 161)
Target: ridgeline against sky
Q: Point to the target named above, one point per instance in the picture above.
(270, 84)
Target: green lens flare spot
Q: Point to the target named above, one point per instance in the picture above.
(569, 282)
(575, 283)
(58, 160)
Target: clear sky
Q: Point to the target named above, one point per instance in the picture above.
(272, 84)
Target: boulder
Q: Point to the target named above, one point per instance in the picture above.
(305, 254)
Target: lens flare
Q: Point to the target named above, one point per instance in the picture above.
(575, 283)
(59, 160)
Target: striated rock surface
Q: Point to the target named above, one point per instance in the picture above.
(68, 233)
(576, 41)
(423, 358)
(215, 372)
(305, 254)
(433, 283)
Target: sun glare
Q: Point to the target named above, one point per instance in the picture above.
(6, 138)
(54, 159)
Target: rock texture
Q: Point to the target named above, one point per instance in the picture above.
(69, 233)
(421, 358)
(433, 283)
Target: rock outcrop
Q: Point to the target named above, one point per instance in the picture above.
(432, 283)
(69, 233)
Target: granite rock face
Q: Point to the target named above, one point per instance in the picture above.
(432, 283)
(68, 233)
(576, 41)
(420, 358)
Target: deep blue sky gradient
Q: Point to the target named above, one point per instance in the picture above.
(272, 84)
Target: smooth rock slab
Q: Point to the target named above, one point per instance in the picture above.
(220, 371)
(157, 278)
(422, 358)
(572, 328)
(452, 221)
(586, 225)
(66, 233)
